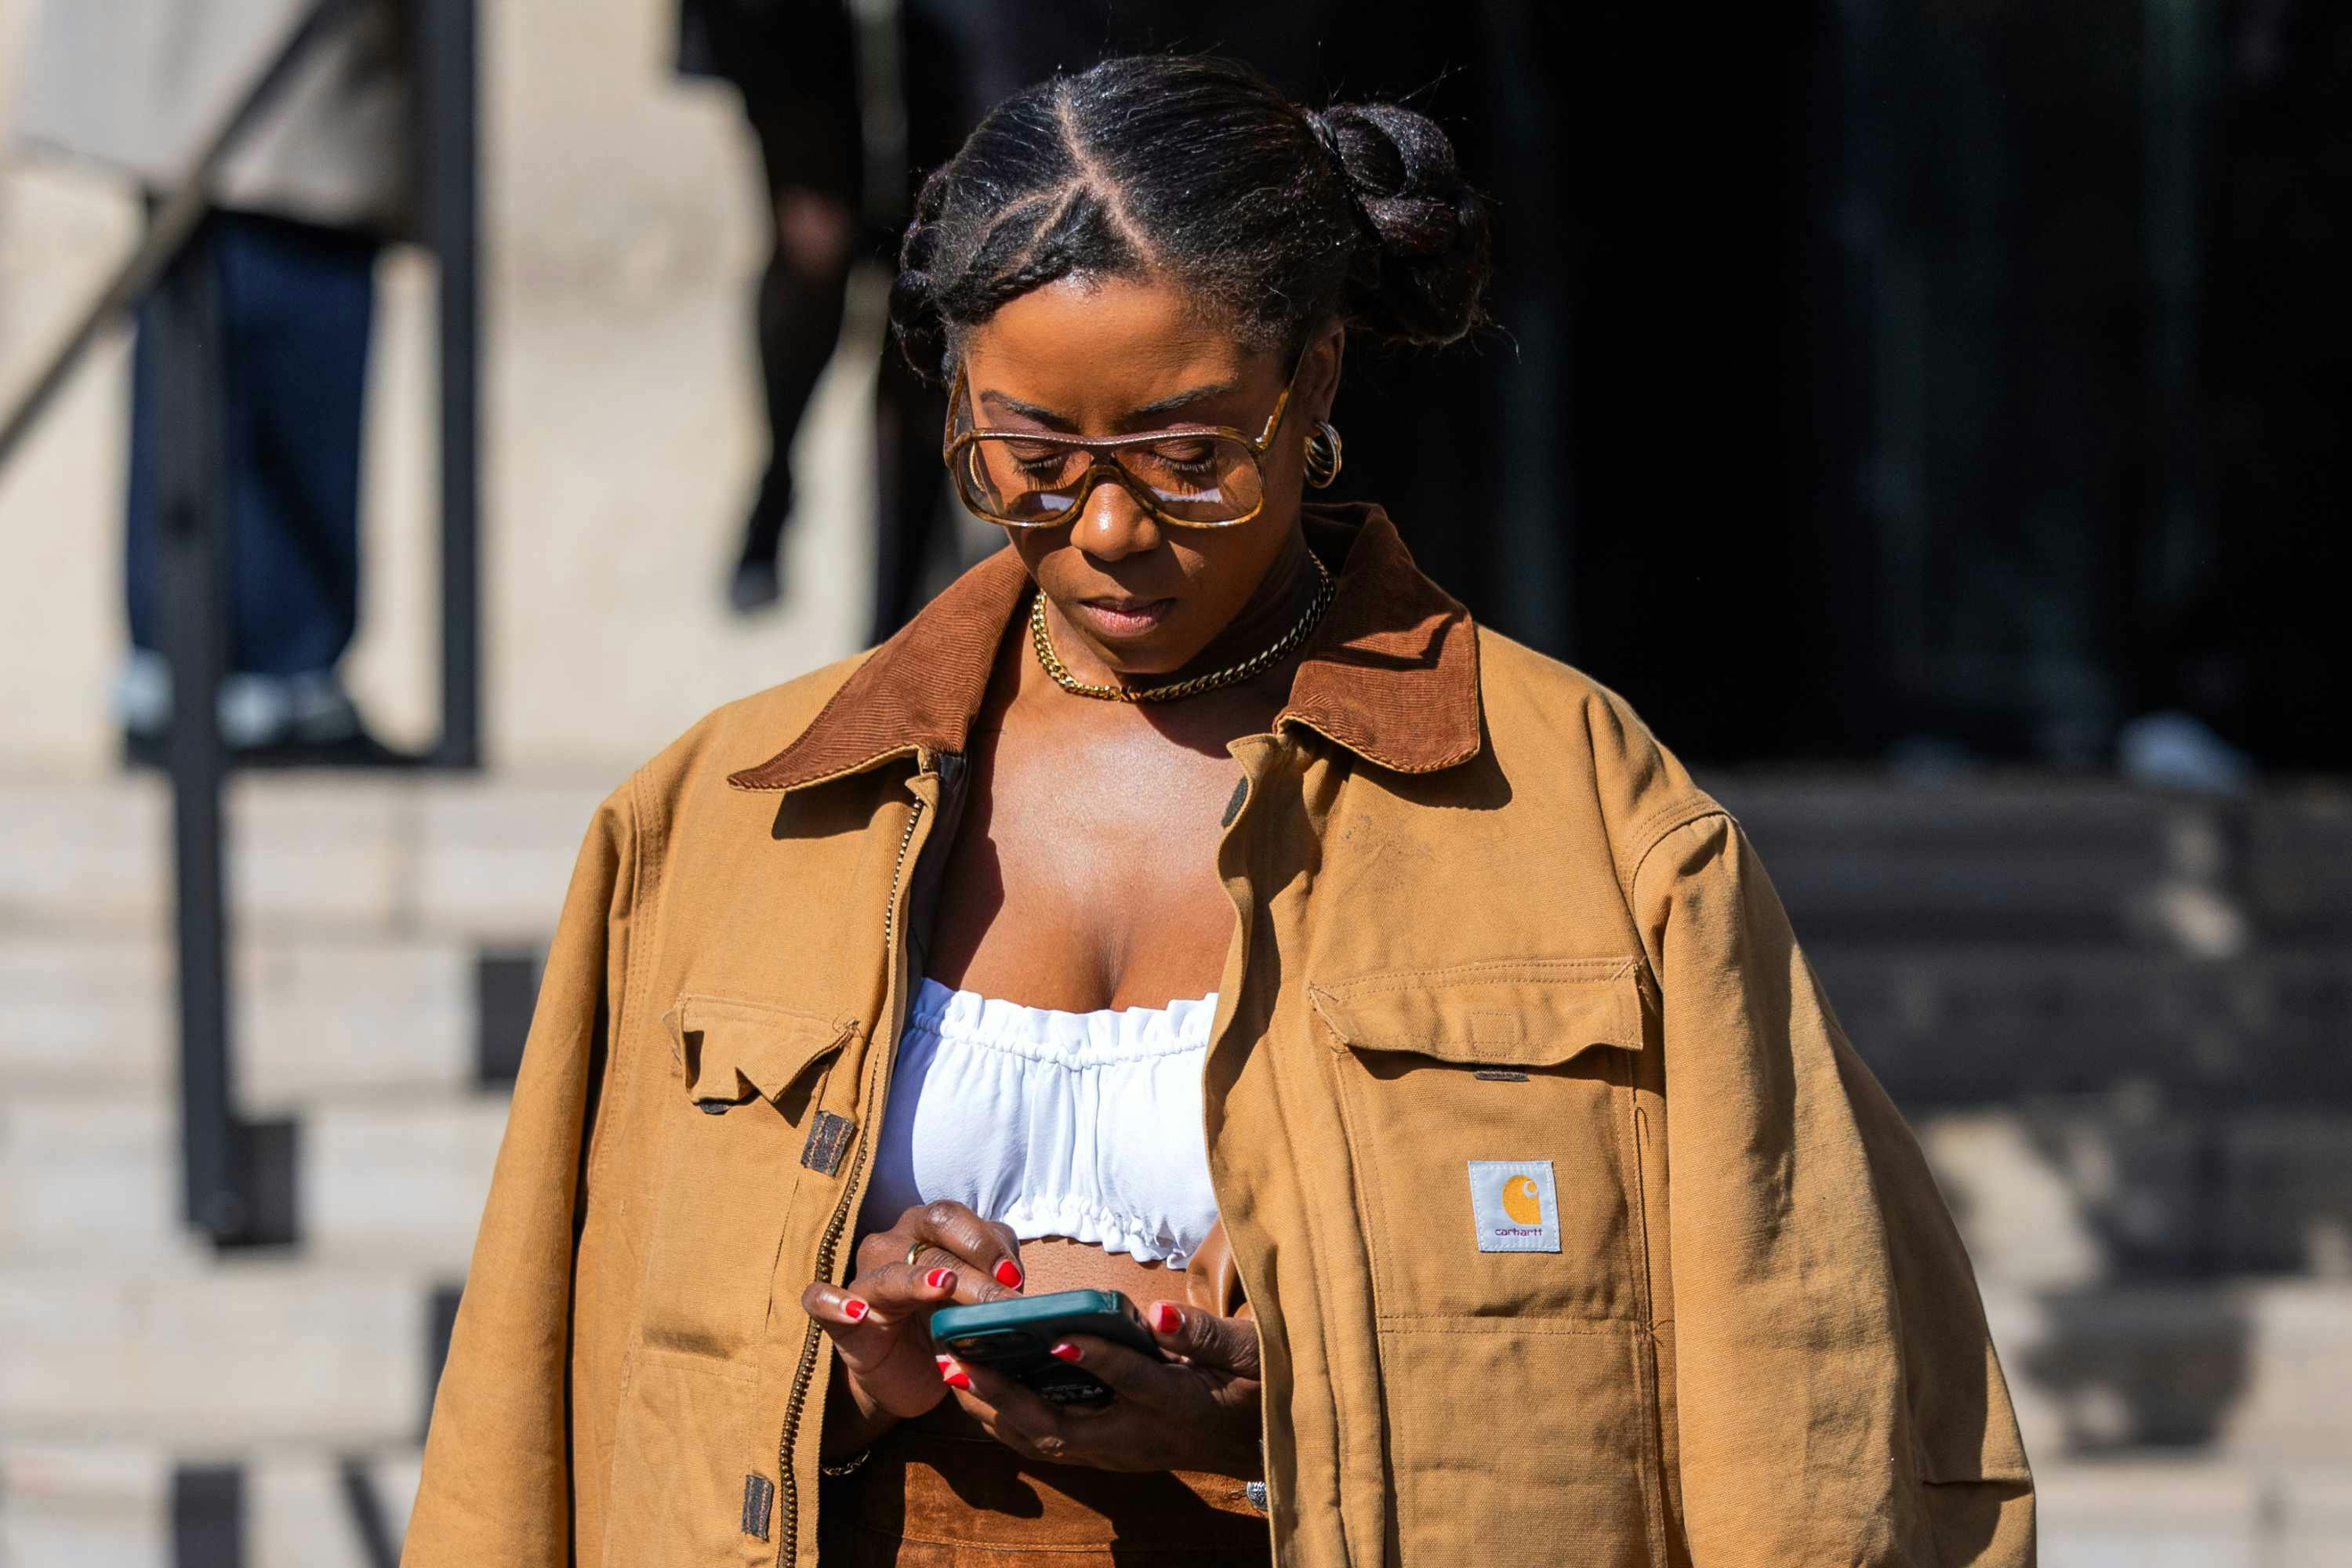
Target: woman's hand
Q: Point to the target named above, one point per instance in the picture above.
(1197, 1413)
(937, 1255)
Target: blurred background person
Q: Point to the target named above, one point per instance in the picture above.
(300, 211)
(794, 64)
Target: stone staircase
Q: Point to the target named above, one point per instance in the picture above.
(2119, 1021)
(2122, 1023)
(157, 1401)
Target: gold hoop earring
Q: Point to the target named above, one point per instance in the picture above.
(1323, 454)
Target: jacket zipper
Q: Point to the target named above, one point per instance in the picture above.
(796, 1401)
(1242, 928)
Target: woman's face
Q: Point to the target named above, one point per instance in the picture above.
(1111, 356)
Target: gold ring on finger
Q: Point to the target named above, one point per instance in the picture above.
(915, 1251)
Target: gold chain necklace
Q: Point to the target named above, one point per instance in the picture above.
(1232, 674)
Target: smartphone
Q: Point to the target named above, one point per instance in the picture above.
(1017, 1338)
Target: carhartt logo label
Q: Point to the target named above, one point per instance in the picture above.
(1514, 1206)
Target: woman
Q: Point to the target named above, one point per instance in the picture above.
(1569, 1227)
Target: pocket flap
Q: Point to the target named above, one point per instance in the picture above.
(1504, 1013)
(732, 1049)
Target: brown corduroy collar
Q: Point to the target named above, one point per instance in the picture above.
(1392, 673)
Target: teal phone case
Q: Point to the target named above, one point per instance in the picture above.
(1017, 1337)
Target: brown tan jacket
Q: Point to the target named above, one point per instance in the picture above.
(1575, 1231)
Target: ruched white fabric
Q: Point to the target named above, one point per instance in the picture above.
(1086, 1125)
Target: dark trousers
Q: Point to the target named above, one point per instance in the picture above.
(795, 63)
(296, 303)
(796, 315)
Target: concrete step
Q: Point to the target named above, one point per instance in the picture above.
(1953, 1025)
(66, 1505)
(2299, 862)
(2163, 1511)
(2005, 859)
(1863, 861)
(401, 1184)
(2255, 1370)
(2068, 1192)
(85, 1503)
(315, 1019)
(93, 1177)
(205, 1357)
(308, 853)
(392, 1183)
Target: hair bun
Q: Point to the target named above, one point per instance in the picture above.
(1426, 263)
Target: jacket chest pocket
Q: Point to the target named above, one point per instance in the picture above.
(750, 1083)
(1489, 1118)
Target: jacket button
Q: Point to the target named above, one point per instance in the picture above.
(714, 1106)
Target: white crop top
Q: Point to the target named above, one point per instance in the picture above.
(1086, 1125)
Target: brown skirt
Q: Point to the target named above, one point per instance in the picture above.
(934, 1500)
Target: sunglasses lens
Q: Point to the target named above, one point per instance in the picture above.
(1202, 481)
(1031, 483)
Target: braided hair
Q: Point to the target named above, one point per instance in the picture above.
(1196, 168)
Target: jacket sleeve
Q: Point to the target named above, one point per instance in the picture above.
(1836, 1393)
(498, 1483)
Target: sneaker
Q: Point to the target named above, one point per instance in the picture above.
(265, 721)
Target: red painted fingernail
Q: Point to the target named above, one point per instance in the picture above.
(953, 1375)
(855, 1309)
(940, 1278)
(1166, 1318)
(1008, 1274)
(1065, 1351)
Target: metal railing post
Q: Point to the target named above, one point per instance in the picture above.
(192, 485)
(449, 123)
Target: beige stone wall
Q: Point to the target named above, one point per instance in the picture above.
(622, 427)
